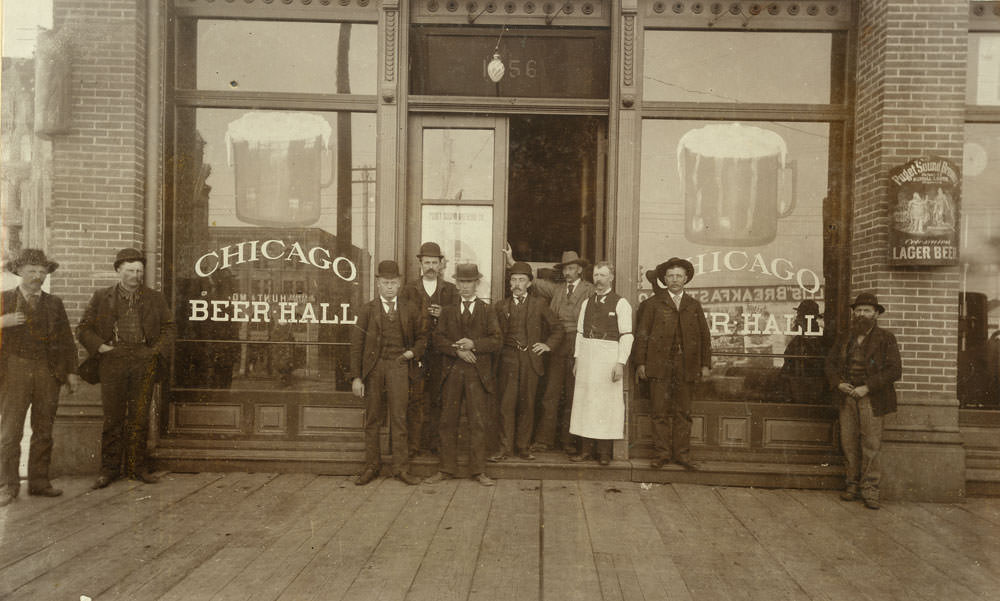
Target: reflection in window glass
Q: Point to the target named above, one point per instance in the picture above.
(718, 66)
(979, 306)
(744, 203)
(276, 219)
(458, 164)
(983, 74)
(269, 56)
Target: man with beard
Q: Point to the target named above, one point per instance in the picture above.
(674, 351)
(131, 329)
(861, 368)
(603, 344)
(430, 293)
(37, 357)
(529, 329)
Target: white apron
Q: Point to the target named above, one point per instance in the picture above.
(598, 403)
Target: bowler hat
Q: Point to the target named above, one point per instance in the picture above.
(467, 272)
(570, 257)
(521, 268)
(430, 249)
(127, 255)
(661, 269)
(388, 269)
(808, 307)
(868, 298)
(30, 256)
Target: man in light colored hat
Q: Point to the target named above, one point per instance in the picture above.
(565, 300)
(431, 292)
(530, 329)
(131, 329)
(674, 351)
(603, 345)
(467, 336)
(386, 345)
(861, 369)
(37, 357)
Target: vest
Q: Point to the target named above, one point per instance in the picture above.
(855, 364)
(30, 340)
(517, 331)
(567, 309)
(392, 334)
(597, 323)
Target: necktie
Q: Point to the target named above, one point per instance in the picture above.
(518, 300)
(569, 290)
(465, 307)
(33, 301)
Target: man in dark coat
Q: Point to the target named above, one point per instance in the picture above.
(37, 356)
(430, 293)
(861, 368)
(529, 329)
(386, 345)
(132, 330)
(467, 335)
(674, 351)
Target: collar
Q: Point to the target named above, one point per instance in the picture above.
(391, 303)
(520, 299)
(26, 295)
(676, 299)
(125, 293)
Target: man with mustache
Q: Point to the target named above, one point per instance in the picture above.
(131, 329)
(430, 293)
(37, 357)
(861, 368)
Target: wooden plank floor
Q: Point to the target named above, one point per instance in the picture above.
(302, 537)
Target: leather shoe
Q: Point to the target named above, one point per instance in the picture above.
(48, 491)
(686, 464)
(146, 477)
(484, 480)
(366, 476)
(437, 477)
(539, 447)
(872, 503)
(659, 462)
(526, 456)
(408, 478)
(497, 458)
(580, 457)
(103, 481)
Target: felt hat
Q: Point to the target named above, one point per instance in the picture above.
(661, 269)
(467, 272)
(30, 256)
(430, 249)
(570, 257)
(808, 307)
(521, 268)
(652, 278)
(868, 298)
(128, 255)
(388, 269)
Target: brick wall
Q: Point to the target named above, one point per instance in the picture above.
(97, 205)
(910, 103)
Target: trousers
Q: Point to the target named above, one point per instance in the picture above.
(128, 375)
(463, 386)
(671, 413)
(861, 440)
(517, 401)
(27, 383)
(387, 387)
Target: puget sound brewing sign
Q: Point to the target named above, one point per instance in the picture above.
(924, 200)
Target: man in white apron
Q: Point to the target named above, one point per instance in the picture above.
(603, 344)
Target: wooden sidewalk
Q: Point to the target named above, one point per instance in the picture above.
(298, 537)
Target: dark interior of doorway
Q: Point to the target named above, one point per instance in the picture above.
(556, 187)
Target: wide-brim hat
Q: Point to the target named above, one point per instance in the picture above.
(467, 272)
(30, 256)
(570, 258)
(521, 268)
(808, 307)
(661, 269)
(652, 278)
(388, 269)
(430, 249)
(127, 255)
(868, 298)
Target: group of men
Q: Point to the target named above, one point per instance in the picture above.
(128, 330)
(424, 352)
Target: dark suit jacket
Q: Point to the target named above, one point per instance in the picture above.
(446, 295)
(541, 325)
(97, 326)
(484, 331)
(366, 337)
(883, 366)
(60, 348)
(655, 334)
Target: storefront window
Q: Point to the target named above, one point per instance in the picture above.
(744, 202)
(276, 56)
(274, 219)
(724, 66)
(983, 75)
(979, 303)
